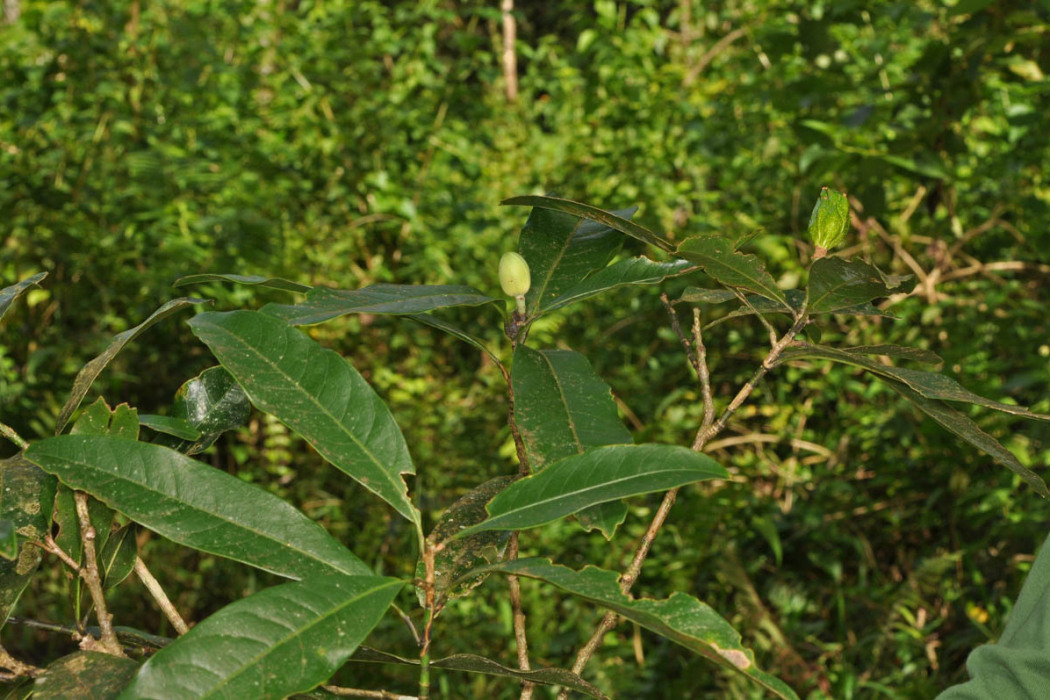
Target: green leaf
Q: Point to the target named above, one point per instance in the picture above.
(680, 618)
(280, 641)
(249, 280)
(699, 295)
(563, 408)
(86, 377)
(8, 540)
(323, 303)
(195, 505)
(169, 425)
(836, 284)
(640, 270)
(27, 496)
(599, 475)
(730, 268)
(471, 663)
(117, 558)
(904, 353)
(561, 251)
(213, 403)
(455, 332)
(85, 675)
(9, 294)
(611, 219)
(459, 556)
(316, 393)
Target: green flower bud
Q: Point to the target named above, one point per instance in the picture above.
(514, 275)
(829, 221)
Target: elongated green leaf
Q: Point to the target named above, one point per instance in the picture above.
(929, 384)
(213, 403)
(316, 393)
(280, 641)
(836, 284)
(561, 251)
(597, 476)
(610, 219)
(680, 618)
(195, 505)
(796, 298)
(169, 425)
(904, 353)
(84, 675)
(117, 558)
(563, 408)
(323, 303)
(699, 295)
(730, 268)
(640, 270)
(966, 429)
(86, 377)
(471, 663)
(9, 294)
(27, 496)
(455, 332)
(249, 280)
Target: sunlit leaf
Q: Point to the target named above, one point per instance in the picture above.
(730, 268)
(633, 271)
(212, 403)
(611, 219)
(836, 284)
(9, 294)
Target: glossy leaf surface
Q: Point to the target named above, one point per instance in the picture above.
(836, 284)
(323, 303)
(597, 476)
(278, 642)
(633, 271)
(212, 403)
(169, 425)
(316, 393)
(195, 505)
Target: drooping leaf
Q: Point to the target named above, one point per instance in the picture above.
(249, 280)
(932, 385)
(613, 220)
(561, 250)
(836, 284)
(730, 268)
(455, 332)
(471, 663)
(27, 496)
(316, 393)
(563, 408)
(280, 641)
(323, 303)
(169, 425)
(680, 618)
(904, 353)
(86, 377)
(9, 294)
(195, 505)
(212, 403)
(699, 295)
(85, 675)
(640, 270)
(597, 476)
(117, 558)
(459, 556)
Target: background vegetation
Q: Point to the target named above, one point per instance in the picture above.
(861, 549)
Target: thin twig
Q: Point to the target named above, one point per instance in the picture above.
(360, 693)
(408, 623)
(163, 602)
(769, 326)
(520, 638)
(690, 353)
(705, 374)
(17, 668)
(9, 433)
(89, 572)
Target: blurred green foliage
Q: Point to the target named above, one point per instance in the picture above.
(862, 550)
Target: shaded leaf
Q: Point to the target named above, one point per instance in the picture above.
(611, 219)
(316, 393)
(323, 303)
(640, 270)
(599, 475)
(27, 496)
(836, 284)
(117, 558)
(8, 540)
(730, 268)
(904, 353)
(471, 663)
(455, 332)
(195, 505)
(176, 427)
(85, 675)
(459, 556)
(280, 641)
(249, 280)
(86, 377)
(213, 403)
(680, 618)
(562, 408)
(9, 294)
(699, 295)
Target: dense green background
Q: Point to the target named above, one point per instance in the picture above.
(862, 551)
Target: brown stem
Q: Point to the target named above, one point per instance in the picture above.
(163, 602)
(705, 374)
(519, 619)
(107, 642)
(359, 693)
(17, 668)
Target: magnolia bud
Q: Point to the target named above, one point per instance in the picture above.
(514, 275)
(829, 221)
